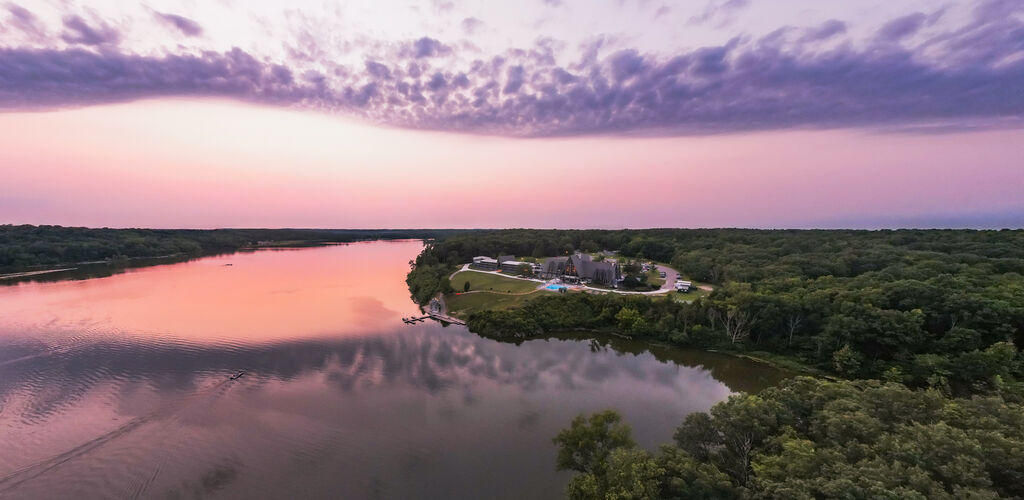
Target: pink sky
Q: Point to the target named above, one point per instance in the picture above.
(539, 113)
(203, 163)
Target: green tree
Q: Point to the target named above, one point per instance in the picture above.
(744, 421)
(846, 361)
(586, 445)
(698, 436)
(627, 317)
(692, 479)
(631, 474)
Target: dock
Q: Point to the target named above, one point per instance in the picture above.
(437, 313)
(434, 316)
(447, 319)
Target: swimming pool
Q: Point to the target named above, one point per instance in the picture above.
(555, 287)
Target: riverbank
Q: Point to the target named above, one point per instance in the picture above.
(26, 248)
(777, 361)
(790, 366)
(34, 273)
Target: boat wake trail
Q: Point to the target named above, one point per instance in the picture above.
(165, 411)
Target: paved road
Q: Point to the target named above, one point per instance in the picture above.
(670, 277)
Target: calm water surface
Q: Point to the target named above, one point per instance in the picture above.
(117, 387)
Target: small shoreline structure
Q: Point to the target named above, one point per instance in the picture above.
(438, 312)
(444, 318)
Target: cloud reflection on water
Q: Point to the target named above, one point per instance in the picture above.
(378, 407)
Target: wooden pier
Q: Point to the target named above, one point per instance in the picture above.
(434, 316)
(447, 319)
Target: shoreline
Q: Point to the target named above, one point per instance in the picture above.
(52, 268)
(26, 274)
(778, 362)
(24, 271)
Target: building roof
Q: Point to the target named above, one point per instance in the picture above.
(555, 265)
(585, 267)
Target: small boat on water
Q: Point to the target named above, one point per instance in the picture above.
(237, 375)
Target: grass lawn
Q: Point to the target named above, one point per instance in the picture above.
(462, 305)
(690, 296)
(491, 282)
(653, 278)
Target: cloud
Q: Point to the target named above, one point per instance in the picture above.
(42, 78)
(378, 70)
(825, 31)
(972, 74)
(514, 80)
(77, 31)
(626, 64)
(662, 11)
(444, 6)
(182, 24)
(471, 25)
(427, 47)
(988, 10)
(902, 27)
(25, 21)
(721, 10)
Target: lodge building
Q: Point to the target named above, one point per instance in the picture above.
(582, 268)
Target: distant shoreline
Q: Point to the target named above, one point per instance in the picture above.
(34, 273)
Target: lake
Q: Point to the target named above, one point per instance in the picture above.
(119, 386)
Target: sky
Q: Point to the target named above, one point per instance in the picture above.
(539, 113)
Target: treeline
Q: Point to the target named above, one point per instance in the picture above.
(938, 308)
(808, 438)
(710, 323)
(27, 245)
(718, 255)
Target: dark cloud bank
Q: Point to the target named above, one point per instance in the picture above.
(811, 78)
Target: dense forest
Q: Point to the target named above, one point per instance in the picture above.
(26, 246)
(808, 438)
(941, 309)
(925, 327)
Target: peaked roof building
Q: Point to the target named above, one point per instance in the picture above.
(583, 267)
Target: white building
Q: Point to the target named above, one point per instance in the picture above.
(512, 266)
(484, 263)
